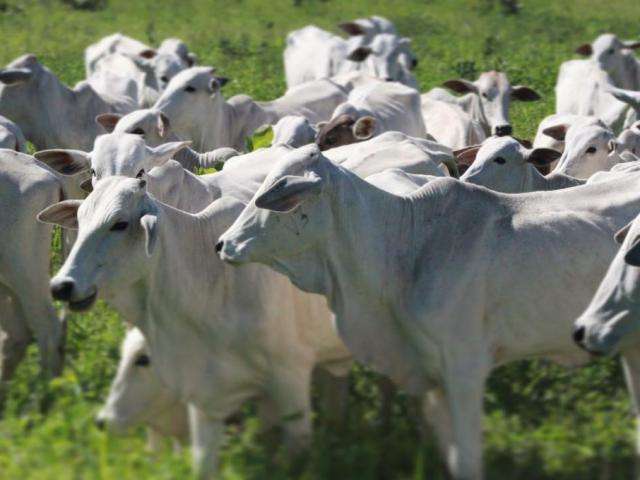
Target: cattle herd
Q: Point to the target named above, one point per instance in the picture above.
(410, 232)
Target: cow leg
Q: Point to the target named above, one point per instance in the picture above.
(631, 365)
(464, 384)
(333, 392)
(207, 435)
(15, 337)
(291, 394)
(438, 417)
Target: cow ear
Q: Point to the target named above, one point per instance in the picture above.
(359, 54)
(64, 214)
(632, 257)
(164, 126)
(148, 54)
(14, 76)
(621, 234)
(65, 162)
(461, 86)
(524, 94)
(585, 49)
(108, 121)
(149, 224)
(191, 59)
(351, 28)
(364, 128)
(163, 153)
(541, 157)
(222, 81)
(87, 185)
(289, 192)
(526, 143)
(467, 155)
(557, 132)
(631, 44)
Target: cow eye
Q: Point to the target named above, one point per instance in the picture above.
(591, 150)
(485, 95)
(140, 173)
(611, 51)
(500, 160)
(143, 361)
(164, 79)
(137, 131)
(93, 172)
(189, 89)
(119, 226)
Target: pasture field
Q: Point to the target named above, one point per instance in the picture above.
(542, 421)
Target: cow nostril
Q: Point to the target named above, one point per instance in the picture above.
(62, 290)
(219, 246)
(388, 79)
(578, 334)
(503, 130)
(100, 424)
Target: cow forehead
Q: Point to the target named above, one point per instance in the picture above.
(119, 148)
(385, 44)
(139, 117)
(588, 134)
(25, 61)
(501, 146)
(606, 41)
(192, 76)
(493, 80)
(110, 196)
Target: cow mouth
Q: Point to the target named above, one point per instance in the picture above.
(85, 304)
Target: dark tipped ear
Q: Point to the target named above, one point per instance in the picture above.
(524, 142)
(191, 59)
(148, 53)
(66, 162)
(64, 214)
(557, 132)
(585, 49)
(467, 155)
(14, 76)
(222, 81)
(632, 257)
(87, 185)
(541, 157)
(461, 86)
(351, 28)
(524, 94)
(108, 121)
(621, 234)
(359, 54)
(289, 192)
(631, 44)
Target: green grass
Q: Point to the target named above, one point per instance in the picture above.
(542, 422)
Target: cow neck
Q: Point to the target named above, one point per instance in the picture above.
(557, 181)
(472, 104)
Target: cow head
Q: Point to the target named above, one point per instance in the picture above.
(344, 130)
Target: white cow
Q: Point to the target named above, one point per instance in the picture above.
(197, 110)
(155, 128)
(450, 125)
(368, 26)
(294, 130)
(629, 139)
(11, 136)
(147, 258)
(610, 322)
(50, 114)
(419, 284)
(151, 69)
(615, 57)
(26, 309)
(398, 181)
(138, 397)
(312, 53)
(487, 99)
(553, 129)
(630, 98)
(371, 110)
(504, 165)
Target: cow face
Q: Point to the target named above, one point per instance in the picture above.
(137, 394)
(611, 320)
(117, 234)
(495, 93)
(503, 164)
(588, 149)
(287, 217)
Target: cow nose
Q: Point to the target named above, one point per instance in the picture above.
(219, 246)
(578, 335)
(388, 79)
(503, 130)
(62, 290)
(100, 423)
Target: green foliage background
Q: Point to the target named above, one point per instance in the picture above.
(542, 421)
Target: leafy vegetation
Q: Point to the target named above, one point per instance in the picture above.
(542, 421)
